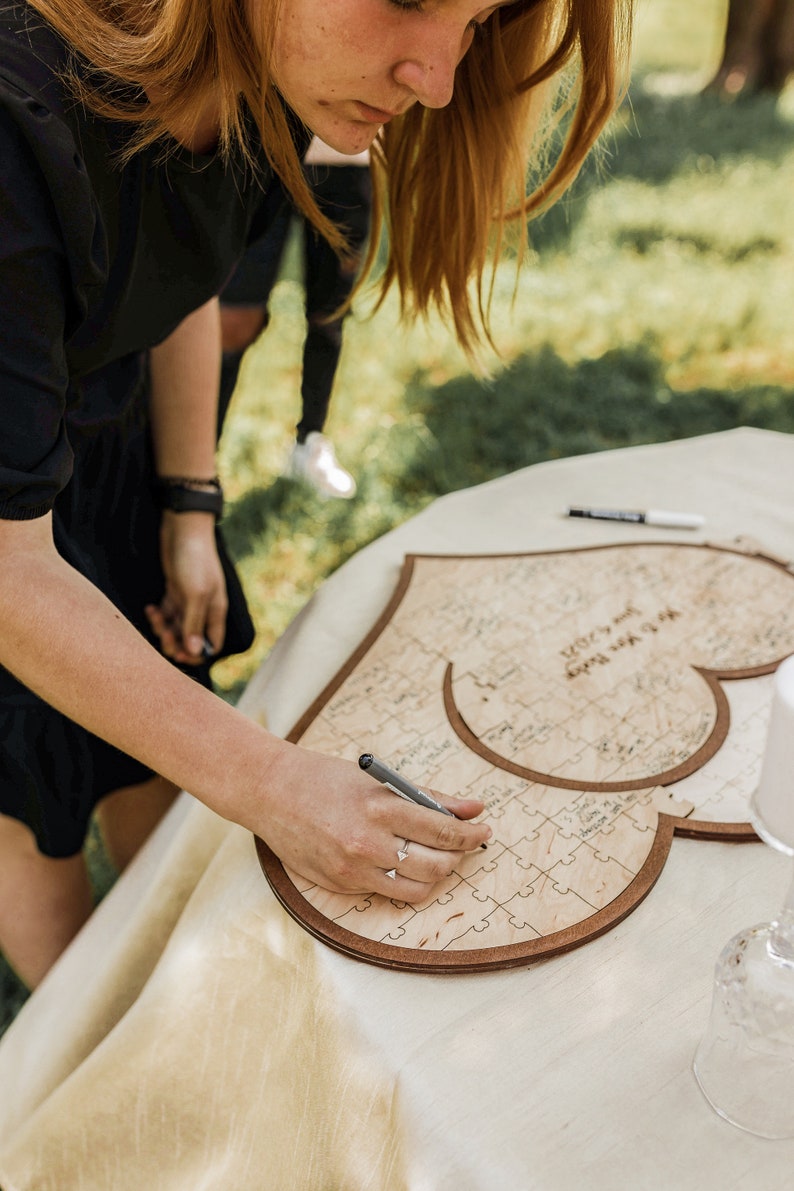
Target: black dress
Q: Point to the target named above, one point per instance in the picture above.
(97, 265)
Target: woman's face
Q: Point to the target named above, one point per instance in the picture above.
(346, 67)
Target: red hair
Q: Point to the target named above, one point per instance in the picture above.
(452, 180)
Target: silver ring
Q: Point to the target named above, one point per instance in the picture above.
(392, 873)
(402, 852)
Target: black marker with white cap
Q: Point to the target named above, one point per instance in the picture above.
(660, 517)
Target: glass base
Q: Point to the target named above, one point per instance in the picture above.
(745, 1061)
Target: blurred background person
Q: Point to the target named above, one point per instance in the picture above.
(342, 188)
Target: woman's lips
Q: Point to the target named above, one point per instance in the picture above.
(373, 115)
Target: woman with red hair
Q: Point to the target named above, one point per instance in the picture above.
(139, 143)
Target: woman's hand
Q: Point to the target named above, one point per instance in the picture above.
(194, 605)
(337, 827)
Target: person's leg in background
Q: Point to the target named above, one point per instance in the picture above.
(43, 901)
(344, 193)
(127, 817)
(244, 302)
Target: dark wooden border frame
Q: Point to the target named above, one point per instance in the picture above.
(413, 959)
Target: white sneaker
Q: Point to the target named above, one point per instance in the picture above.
(315, 462)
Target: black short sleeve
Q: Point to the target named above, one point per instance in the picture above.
(35, 457)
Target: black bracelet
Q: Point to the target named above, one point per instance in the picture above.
(188, 482)
(181, 497)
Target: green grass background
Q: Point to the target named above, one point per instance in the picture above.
(656, 304)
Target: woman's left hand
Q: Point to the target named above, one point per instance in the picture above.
(193, 608)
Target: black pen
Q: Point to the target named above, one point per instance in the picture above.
(399, 785)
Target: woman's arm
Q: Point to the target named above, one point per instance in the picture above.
(322, 816)
(184, 371)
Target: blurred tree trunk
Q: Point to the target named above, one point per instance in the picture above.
(758, 52)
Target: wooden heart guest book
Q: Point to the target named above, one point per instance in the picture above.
(599, 701)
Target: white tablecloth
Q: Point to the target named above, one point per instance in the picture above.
(575, 1071)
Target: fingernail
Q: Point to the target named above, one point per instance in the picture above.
(207, 649)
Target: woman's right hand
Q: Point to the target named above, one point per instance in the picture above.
(328, 821)
(322, 816)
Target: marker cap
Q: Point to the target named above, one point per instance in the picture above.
(674, 520)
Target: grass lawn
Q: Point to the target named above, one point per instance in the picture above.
(656, 304)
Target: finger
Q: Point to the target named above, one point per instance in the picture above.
(185, 658)
(400, 888)
(445, 833)
(194, 623)
(428, 866)
(215, 629)
(462, 808)
(154, 616)
(164, 631)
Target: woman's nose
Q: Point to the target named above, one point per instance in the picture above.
(430, 72)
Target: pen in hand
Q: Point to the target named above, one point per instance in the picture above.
(399, 785)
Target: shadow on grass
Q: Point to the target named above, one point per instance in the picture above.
(252, 517)
(13, 995)
(542, 408)
(336, 529)
(655, 137)
(469, 431)
(663, 133)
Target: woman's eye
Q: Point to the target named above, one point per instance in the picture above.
(409, 5)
